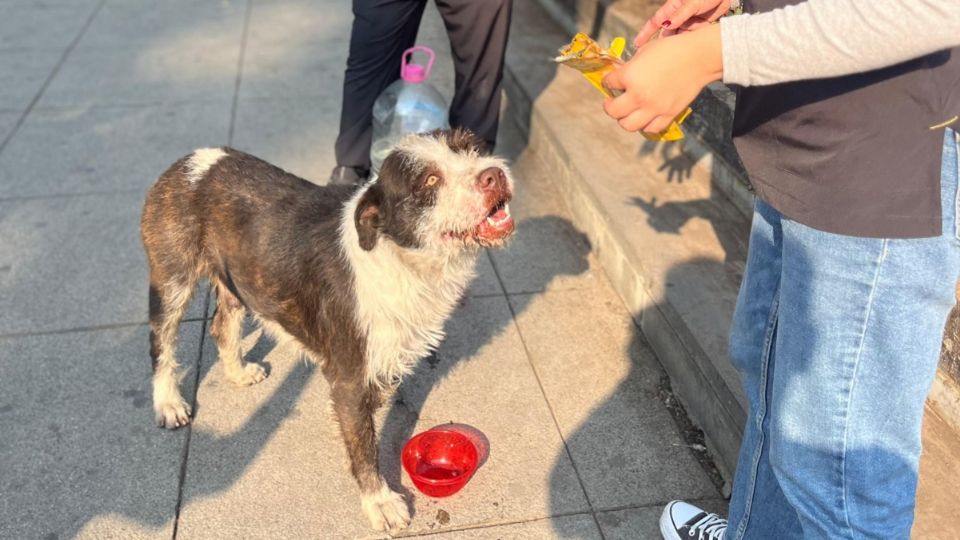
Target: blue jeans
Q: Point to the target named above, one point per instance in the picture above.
(837, 339)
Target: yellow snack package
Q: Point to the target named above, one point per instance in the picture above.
(594, 62)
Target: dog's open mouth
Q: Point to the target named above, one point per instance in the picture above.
(496, 226)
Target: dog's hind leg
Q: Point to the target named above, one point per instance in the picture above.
(168, 301)
(227, 329)
(354, 405)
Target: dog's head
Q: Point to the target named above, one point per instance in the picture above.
(438, 191)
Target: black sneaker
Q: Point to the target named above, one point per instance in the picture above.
(682, 521)
(348, 176)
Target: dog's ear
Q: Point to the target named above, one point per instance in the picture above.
(368, 218)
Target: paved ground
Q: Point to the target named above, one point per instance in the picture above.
(96, 98)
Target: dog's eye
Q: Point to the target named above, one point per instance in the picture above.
(432, 180)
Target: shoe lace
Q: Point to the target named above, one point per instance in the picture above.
(711, 525)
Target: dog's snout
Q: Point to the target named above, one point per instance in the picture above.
(491, 178)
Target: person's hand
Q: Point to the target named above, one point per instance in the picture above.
(676, 16)
(663, 78)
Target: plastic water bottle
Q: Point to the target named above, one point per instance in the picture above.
(409, 105)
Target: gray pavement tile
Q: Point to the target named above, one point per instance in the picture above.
(98, 149)
(300, 22)
(631, 524)
(601, 380)
(580, 526)
(81, 455)
(486, 283)
(293, 69)
(22, 74)
(8, 119)
(42, 25)
(264, 460)
(293, 134)
(634, 523)
(162, 72)
(273, 443)
(182, 24)
(73, 262)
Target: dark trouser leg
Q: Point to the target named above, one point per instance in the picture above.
(382, 30)
(478, 33)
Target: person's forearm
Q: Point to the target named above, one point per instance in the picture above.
(830, 38)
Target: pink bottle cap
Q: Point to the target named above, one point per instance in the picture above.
(416, 73)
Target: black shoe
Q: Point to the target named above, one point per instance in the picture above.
(348, 176)
(683, 521)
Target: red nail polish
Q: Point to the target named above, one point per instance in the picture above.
(666, 23)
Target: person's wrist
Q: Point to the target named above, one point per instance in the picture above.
(707, 48)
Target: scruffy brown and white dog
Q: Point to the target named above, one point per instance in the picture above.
(362, 280)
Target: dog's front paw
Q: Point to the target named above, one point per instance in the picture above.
(386, 510)
(172, 414)
(251, 373)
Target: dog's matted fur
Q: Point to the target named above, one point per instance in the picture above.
(362, 279)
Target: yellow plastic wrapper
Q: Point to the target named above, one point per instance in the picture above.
(594, 62)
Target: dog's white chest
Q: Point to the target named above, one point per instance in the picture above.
(402, 309)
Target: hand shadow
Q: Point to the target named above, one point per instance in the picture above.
(677, 163)
(677, 159)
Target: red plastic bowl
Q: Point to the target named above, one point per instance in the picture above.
(439, 461)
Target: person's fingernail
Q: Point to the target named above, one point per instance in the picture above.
(666, 23)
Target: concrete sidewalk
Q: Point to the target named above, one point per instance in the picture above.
(97, 97)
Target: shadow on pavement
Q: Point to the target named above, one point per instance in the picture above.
(409, 399)
(631, 455)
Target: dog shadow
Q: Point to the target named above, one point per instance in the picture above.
(257, 353)
(563, 253)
